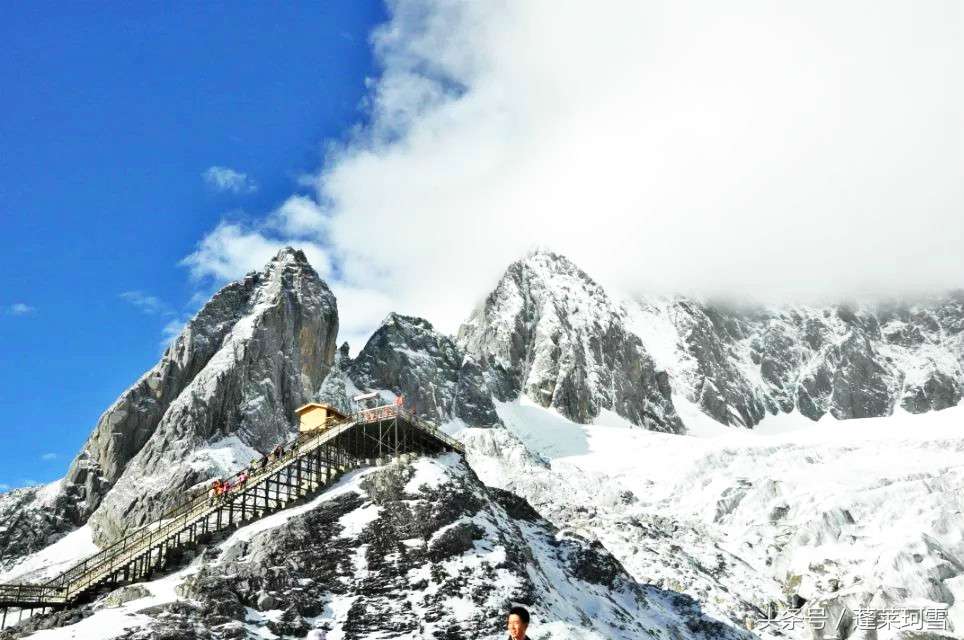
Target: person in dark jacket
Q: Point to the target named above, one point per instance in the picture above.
(518, 623)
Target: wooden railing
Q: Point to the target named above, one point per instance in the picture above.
(389, 412)
(192, 509)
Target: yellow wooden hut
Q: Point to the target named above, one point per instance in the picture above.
(316, 416)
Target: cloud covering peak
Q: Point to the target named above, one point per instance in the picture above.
(754, 149)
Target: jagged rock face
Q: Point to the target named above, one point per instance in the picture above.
(738, 364)
(721, 387)
(423, 550)
(408, 357)
(127, 424)
(550, 332)
(254, 353)
(337, 389)
(30, 519)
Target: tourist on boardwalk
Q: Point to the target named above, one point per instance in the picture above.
(518, 623)
(215, 491)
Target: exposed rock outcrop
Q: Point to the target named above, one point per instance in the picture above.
(254, 353)
(422, 550)
(408, 357)
(32, 518)
(549, 331)
(850, 361)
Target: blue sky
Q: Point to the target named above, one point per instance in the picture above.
(673, 146)
(111, 114)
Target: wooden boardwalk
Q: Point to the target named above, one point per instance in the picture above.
(308, 466)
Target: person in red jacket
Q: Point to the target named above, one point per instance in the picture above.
(215, 491)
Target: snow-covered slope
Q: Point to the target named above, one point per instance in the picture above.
(417, 549)
(865, 511)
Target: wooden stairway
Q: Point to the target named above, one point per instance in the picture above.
(308, 466)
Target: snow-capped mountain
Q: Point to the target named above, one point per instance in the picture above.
(238, 370)
(850, 361)
(644, 436)
(550, 332)
(223, 391)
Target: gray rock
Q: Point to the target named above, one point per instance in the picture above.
(408, 357)
(938, 391)
(30, 519)
(122, 596)
(259, 349)
(266, 601)
(334, 389)
(862, 381)
(550, 332)
(720, 387)
(422, 548)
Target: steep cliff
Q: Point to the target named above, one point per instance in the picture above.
(229, 383)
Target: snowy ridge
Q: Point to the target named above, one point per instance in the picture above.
(851, 361)
(353, 561)
(870, 513)
(548, 331)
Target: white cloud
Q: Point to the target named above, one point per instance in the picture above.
(231, 250)
(750, 148)
(359, 309)
(151, 305)
(20, 309)
(49, 456)
(4, 486)
(229, 180)
(298, 217)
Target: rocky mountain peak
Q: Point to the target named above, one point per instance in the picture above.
(257, 350)
(407, 356)
(550, 273)
(549, 331)
(397, 321)
(289, 255)
(546, 263)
